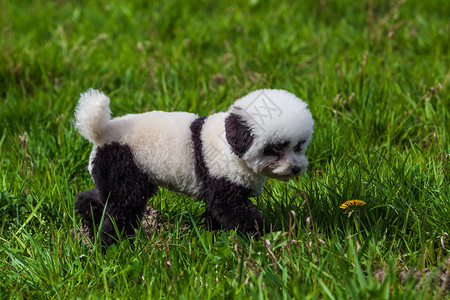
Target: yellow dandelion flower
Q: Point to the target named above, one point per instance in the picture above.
(352, 204)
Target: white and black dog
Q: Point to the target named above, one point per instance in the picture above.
(223, 159)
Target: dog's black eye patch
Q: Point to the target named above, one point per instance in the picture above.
(298, 147)
(275, 149)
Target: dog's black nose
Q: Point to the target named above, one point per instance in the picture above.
(296, 170)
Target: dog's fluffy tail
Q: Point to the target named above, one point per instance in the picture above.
(92, 115)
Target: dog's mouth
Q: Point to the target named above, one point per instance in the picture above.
(271, 172)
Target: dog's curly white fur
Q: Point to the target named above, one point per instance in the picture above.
(264, 134)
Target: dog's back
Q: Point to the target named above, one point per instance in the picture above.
(160, 141)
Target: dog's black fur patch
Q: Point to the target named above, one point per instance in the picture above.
(227, 203)
(238, 134)
(120, 184)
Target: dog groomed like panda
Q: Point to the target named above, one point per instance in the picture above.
(223, 159)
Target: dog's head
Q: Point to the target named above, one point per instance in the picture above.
(270, 130)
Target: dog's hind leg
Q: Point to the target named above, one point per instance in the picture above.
(89, 206)
(123, 187)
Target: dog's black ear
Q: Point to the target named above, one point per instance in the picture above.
(238, 134)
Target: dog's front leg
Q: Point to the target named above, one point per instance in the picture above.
(235, 213)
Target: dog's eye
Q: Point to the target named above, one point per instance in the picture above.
(275, 150)
(269, 151)
(298, 147)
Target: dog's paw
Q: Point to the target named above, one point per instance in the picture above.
(90, 206)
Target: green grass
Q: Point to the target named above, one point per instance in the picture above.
(375, 75)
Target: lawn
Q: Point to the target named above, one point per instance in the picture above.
(375, 75)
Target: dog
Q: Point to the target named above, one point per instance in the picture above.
(223, 159)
